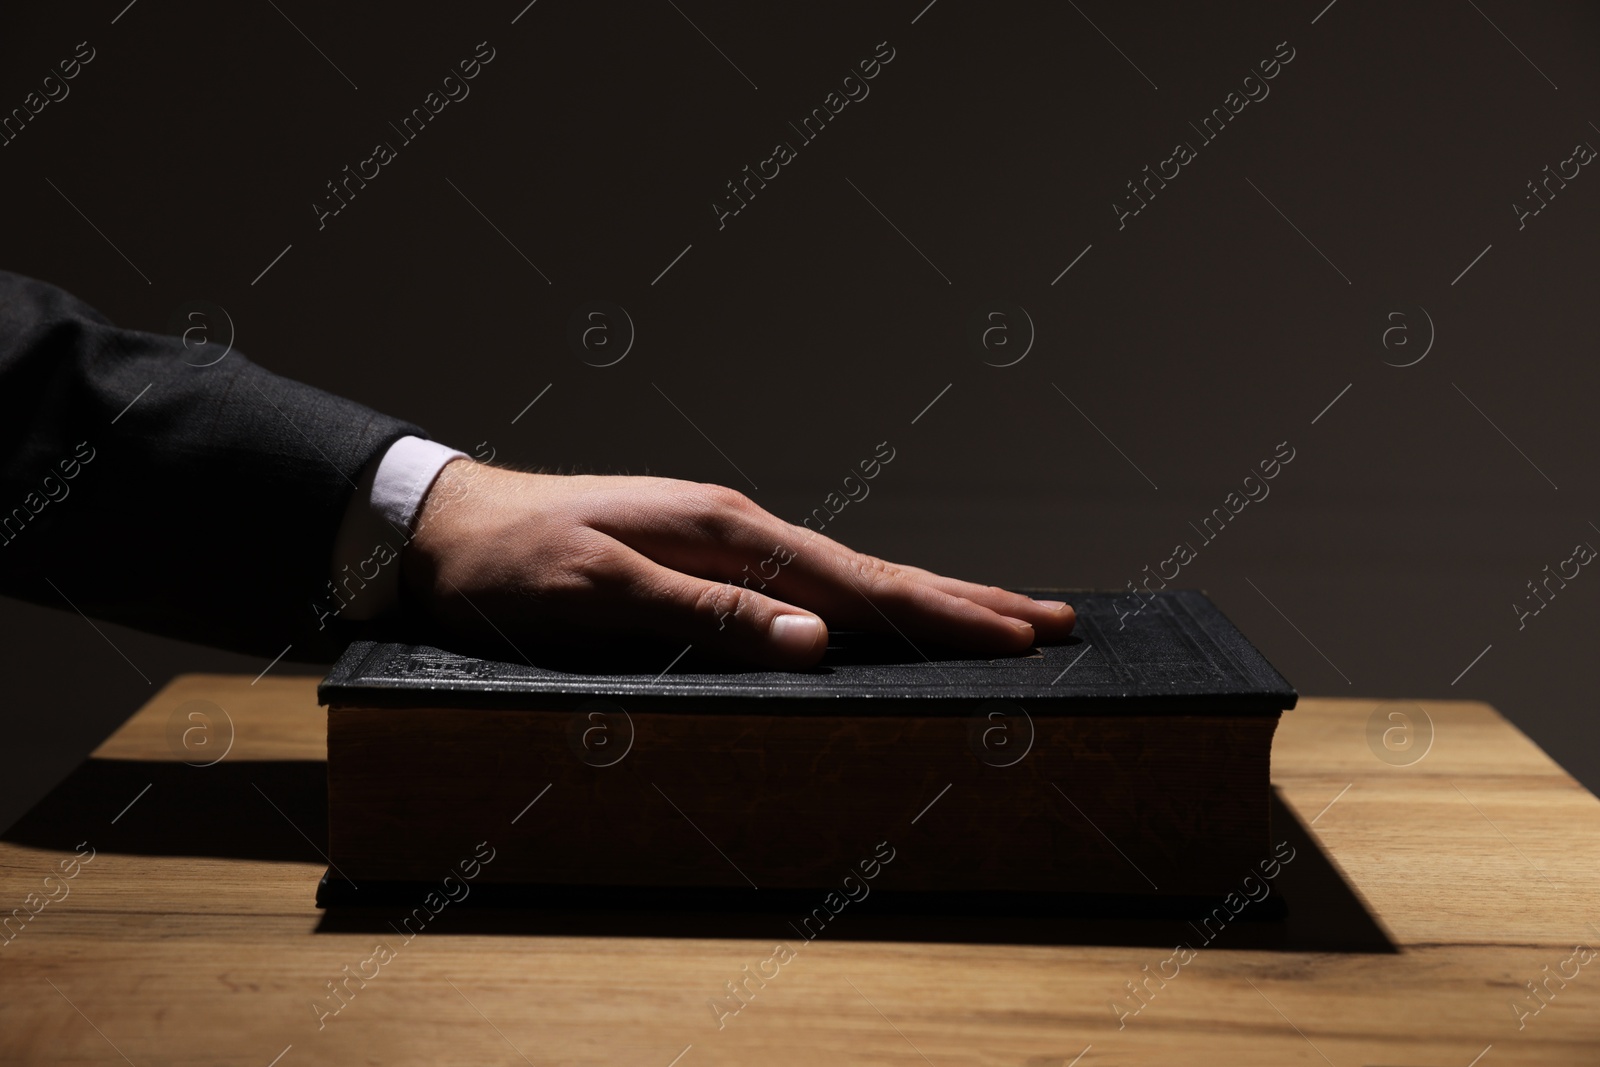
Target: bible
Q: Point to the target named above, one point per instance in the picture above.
(1133, 758)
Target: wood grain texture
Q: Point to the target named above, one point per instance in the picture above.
(190, 937)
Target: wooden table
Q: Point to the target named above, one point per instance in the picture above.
(1421, 898)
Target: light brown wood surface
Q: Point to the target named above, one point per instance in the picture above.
(191, 937)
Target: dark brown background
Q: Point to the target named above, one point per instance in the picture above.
(1197, 338)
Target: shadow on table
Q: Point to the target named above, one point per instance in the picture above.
(1310, 909)
(273, 811)
(249, 810)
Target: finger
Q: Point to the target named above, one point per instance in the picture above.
(853, 590)
(1052, 620)
(726, 619)
(868, 594)
(850, 588)
(717, 533)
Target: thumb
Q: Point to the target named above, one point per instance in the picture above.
(729, 619)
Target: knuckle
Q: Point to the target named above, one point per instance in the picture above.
(721, 602)
(721, 496)
(867, 570)
(587, 564)
(718, 511)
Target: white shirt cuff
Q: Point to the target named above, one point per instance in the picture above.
(404, 476)
(377, 525)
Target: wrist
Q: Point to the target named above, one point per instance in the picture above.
(378, 518)
(437, 527)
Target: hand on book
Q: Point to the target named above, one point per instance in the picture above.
(574, 557)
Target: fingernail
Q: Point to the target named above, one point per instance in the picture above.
(1023, 627)
(796, 633)
(1053, 605)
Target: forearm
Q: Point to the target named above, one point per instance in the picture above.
(208, 505)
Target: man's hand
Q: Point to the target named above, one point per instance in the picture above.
(564, 557)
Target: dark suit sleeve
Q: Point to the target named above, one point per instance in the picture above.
(196, 502)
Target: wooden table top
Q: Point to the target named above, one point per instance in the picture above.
(159, 912)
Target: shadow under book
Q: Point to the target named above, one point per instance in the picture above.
(1132, 759)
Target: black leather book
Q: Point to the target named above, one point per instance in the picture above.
(1132, 758)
